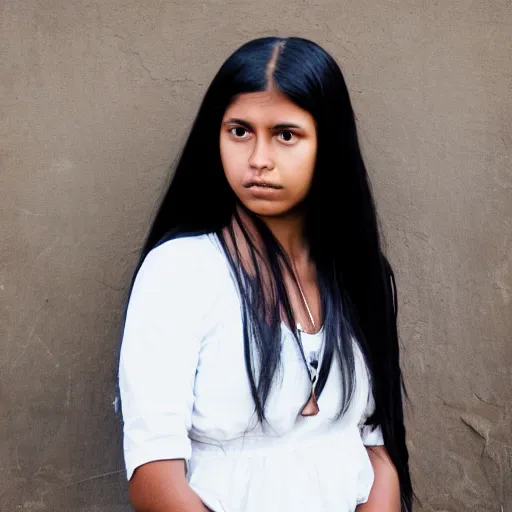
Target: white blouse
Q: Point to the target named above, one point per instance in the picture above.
(185, 395)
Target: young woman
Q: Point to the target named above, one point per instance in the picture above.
(259, 366)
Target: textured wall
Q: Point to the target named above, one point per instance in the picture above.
(96, 99)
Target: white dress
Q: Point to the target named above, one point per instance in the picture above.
(185, 395)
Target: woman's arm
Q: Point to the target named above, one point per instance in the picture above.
(163, 332)
(161, 486)
(385, 493)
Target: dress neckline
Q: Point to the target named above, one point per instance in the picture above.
(285, 327)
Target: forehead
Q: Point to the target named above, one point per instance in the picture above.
(267, 107)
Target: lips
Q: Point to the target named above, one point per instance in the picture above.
(262, 184)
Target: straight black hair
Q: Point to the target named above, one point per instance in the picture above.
(355, 280)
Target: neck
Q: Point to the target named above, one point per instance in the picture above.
(289, 232)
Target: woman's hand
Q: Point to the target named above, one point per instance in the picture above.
(385, 493)
(161, 486)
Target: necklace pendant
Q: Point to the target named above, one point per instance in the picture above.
(311, 408)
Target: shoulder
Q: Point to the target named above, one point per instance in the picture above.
(188, 261)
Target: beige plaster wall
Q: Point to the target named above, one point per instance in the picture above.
(96, 98)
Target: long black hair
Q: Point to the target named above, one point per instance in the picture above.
(354, 278)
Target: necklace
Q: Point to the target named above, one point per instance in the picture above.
(311, 408)
(305, 302)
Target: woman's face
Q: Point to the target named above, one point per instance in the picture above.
(268, 151)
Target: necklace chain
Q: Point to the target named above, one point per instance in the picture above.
(311, 408)
(304, 300)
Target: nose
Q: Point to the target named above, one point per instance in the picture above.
(261, 156)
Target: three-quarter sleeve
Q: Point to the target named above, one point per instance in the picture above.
(371, 436)
(159, 357)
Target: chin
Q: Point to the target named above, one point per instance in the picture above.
(267, 209)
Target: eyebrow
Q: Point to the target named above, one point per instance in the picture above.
(245, 124)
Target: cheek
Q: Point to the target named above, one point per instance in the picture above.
(232, 160)
(300, 172)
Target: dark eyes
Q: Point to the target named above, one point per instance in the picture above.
(241, 133)
(238, 132)
(289, 135)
